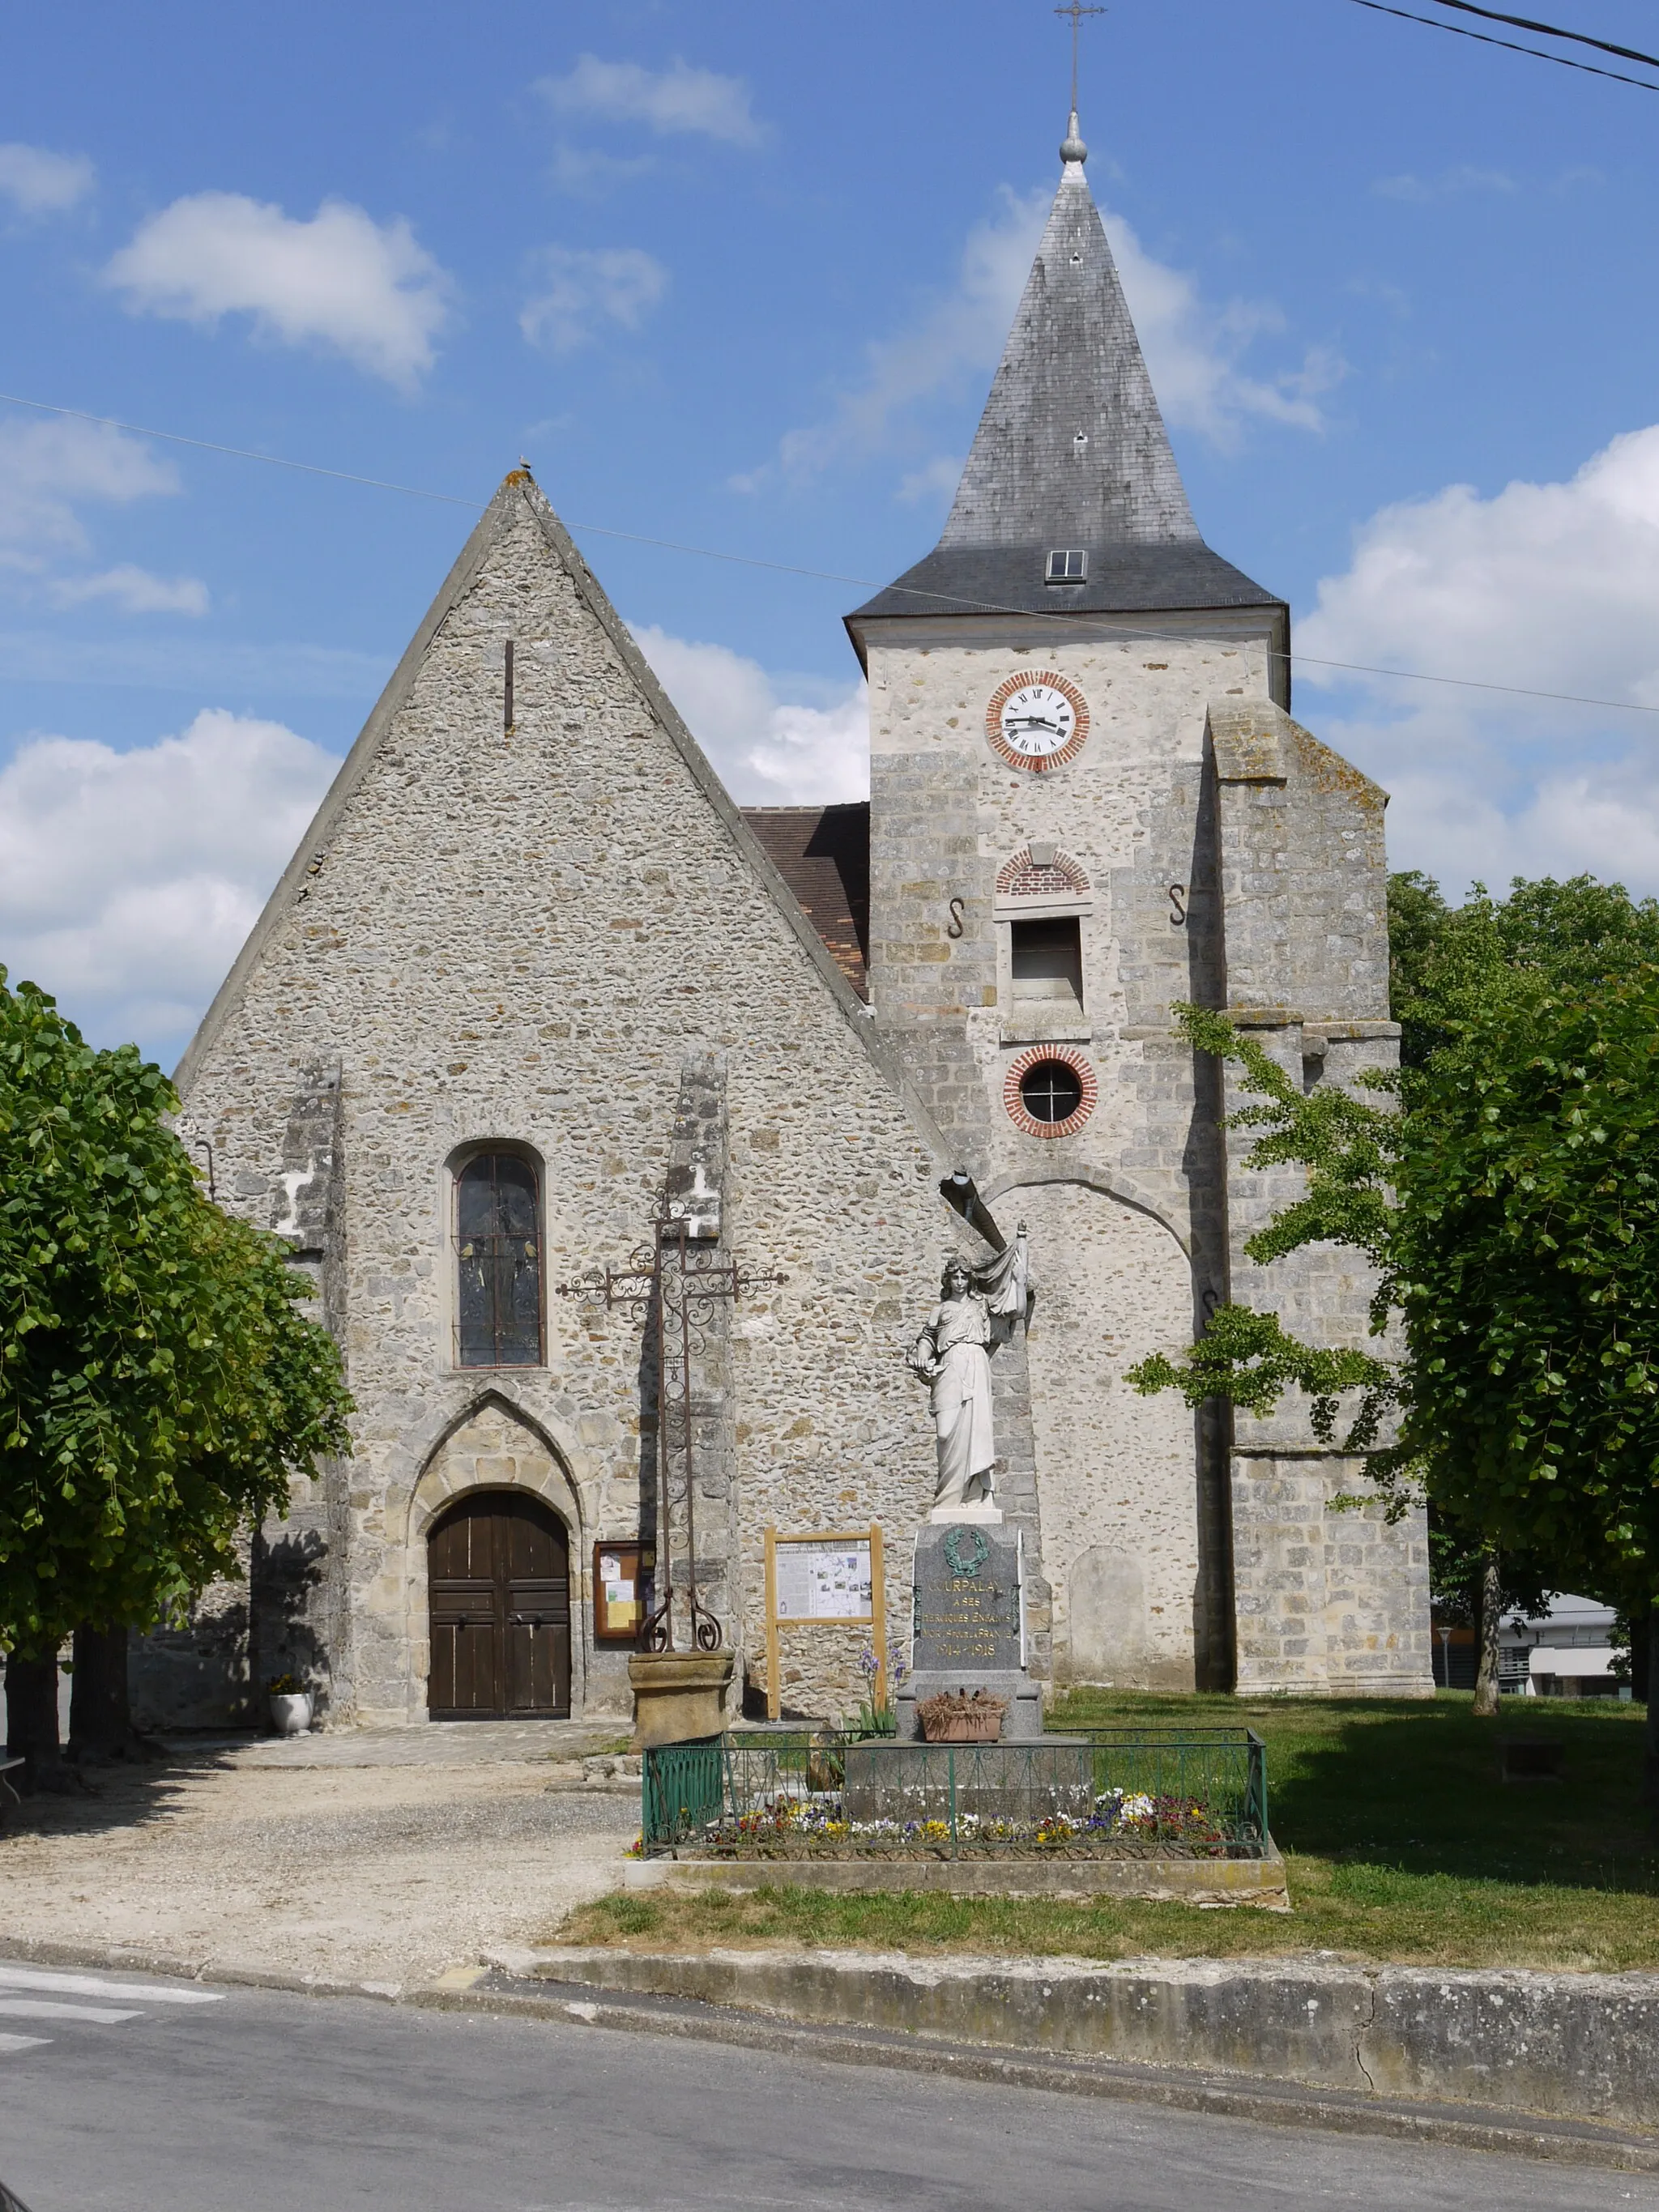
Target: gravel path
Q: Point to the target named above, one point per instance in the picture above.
(382, 1872)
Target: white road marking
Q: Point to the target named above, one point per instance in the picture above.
(44, 2009)
(23, 2042)
(96, 1986)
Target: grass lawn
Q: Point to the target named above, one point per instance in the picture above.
(1400, 1841)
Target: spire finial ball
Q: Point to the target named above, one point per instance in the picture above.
(1071, 148)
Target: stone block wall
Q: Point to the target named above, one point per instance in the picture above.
(518, 934)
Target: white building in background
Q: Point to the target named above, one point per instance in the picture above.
(1565, 1651)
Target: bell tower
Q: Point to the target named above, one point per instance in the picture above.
(1088, 803)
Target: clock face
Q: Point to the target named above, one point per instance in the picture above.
(1036, 720)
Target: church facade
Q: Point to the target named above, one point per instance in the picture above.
(534, 993)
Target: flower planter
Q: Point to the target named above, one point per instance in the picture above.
(290, 1713)
(961, 1717)
(965, 1727)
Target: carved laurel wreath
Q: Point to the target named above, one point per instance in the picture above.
(953, 1558)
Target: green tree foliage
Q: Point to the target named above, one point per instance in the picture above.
(1511, 1211)
(158, 1387)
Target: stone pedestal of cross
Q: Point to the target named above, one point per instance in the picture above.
(676, 1284)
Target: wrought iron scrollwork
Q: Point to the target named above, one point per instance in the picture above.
(675, 1287)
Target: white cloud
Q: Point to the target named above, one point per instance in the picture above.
(1545, 587)
(135, 592)
(1193, 351)
(938, 478)
(680, 99)
(39, 183)
(129, 880)
(768, 751)
(1446, 185)
(962, 331)
(578, 287)
(48, 467)
(587, 174)
(367, 290)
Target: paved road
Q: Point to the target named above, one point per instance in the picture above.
(122, 2094)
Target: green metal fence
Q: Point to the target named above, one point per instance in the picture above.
(1099, 1793)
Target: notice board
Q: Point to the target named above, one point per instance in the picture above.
(821, 1578)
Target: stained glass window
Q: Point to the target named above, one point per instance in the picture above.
(498, 1296)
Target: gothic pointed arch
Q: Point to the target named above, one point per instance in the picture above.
(493, 1445)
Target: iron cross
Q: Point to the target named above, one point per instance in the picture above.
(675, 1285)
(1076, 12)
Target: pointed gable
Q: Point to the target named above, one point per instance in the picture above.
(1071, 453)
(462, 763)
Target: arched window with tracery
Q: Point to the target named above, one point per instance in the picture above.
(498, 1255)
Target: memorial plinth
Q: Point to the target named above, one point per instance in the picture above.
(970, 1630)
(1017, 1782)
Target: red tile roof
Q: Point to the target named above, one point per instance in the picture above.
(823, 854)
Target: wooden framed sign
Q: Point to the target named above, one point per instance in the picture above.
(620, 1574)
(830, 1578)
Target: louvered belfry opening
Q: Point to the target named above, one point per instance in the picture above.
(498, 1287)
(498, 1586)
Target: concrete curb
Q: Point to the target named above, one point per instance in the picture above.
(1469, 2127)
(1583, 2047)
(506, 1990)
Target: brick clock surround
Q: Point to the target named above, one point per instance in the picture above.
(1024, 679)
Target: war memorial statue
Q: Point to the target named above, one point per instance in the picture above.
(976, 1311)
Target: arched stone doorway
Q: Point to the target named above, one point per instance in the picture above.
(498, 1593)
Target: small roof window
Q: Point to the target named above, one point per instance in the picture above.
(1068, 565)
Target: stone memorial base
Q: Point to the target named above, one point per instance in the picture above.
(678, 1695)
(1014, 1782)
(1021, 1724)
(969, 1624)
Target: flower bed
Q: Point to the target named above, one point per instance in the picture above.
(823, 1793)
(1135, 1826)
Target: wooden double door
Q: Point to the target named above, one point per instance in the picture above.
(498, 1581)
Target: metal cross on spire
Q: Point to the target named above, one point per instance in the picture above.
(1076, 12)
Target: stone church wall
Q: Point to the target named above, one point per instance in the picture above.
(517, 935)
(1228, 858)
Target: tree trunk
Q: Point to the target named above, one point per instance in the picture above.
(1492, 1604)
(1650, 1757)
(32, 1716)
(101, 1718)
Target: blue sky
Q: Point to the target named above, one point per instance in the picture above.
(738, 276)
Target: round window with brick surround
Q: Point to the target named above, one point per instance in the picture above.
(1049, 1091)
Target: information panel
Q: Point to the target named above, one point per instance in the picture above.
(830, 1578)
(824, 1581)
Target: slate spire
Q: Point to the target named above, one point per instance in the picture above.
(1072, 449)
(1071, 456)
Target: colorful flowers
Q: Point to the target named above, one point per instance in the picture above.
(794, 1824)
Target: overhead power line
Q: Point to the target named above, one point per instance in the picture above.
(1562, 61)
(1551, 30)
(941, 599)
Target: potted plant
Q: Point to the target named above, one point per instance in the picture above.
(290, 1705)
(873, 1719)
(961, 1717)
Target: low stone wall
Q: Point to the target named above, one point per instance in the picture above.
(1189, 1881)
(1583, 2045)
